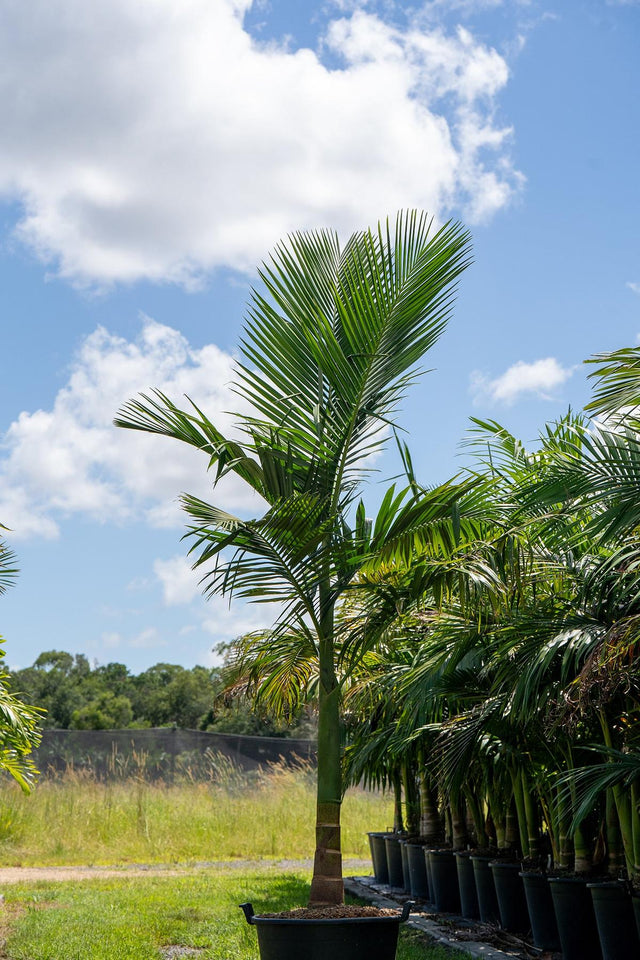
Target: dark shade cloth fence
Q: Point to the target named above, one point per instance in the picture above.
(164, 753)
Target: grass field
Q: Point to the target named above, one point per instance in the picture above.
(140, 919)
(77, 820)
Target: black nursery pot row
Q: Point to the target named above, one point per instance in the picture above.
(586, 921)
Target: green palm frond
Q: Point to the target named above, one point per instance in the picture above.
(19, 734)
(617, 390)
(278, 670)
(331, 343)
(8, 569)
(583, 786)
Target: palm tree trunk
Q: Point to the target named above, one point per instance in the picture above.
(615, 852)
(583, 854)
(411, 799)
(478, 819)
(511, 831)
(430, 821)
(564, 844)
(518, 801)
(459, 834)
(622, 800)
(398, 820)
(532, 818)
(327, 887)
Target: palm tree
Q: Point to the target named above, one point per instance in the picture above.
(19, 722)
(330, 346)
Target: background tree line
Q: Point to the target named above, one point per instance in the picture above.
(76, 695)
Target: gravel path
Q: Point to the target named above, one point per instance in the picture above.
(26, 874)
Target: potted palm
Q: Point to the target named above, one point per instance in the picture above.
(330, 345)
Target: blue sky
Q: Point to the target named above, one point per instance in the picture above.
(153, 152)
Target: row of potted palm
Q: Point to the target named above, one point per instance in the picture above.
(523, 690)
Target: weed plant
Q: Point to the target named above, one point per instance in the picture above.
(75, 818)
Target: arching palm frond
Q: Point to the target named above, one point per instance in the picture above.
(8, 569)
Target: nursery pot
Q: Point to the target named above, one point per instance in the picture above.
(417, 871)
(467, 887)
(394, 861)
(444, 892)
(615, 920)
(427, 863)
(635, 902)
(347, 939)
(486, 889)
(541, 912)
(512, 903)
(379, 857)
(406, 876)
(575, 917)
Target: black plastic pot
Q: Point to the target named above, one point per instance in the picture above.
(575, 918)
(418, 871)
(379, 857)
(394, 861)
(635, 903)
(467, 886)
(445, 892)
(406, 875)
(615, 920)
(512, 903)
(486, 889)
(350, 939)
(541, 913)
(427, 864)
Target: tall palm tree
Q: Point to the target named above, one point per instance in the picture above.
(330, 346)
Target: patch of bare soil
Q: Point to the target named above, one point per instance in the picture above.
(9, 913)
(493, 935)
(174, 952)
(26, 874)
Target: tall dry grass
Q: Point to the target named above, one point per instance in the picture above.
(77, 819)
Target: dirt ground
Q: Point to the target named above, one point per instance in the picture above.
(28, 874)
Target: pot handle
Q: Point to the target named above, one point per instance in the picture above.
(247, 909)
(406, 910)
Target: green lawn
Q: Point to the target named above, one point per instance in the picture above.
(134, 918)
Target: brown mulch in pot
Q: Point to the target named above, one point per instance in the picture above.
(342, 912)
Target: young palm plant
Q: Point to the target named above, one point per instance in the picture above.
(330, 346)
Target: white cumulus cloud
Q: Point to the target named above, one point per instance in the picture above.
(539, 378)
(72, 459)
(226, 622)
(160, 140)
(180, 584)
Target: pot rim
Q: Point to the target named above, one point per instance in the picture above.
(257, 918)
(622, 884)
(582, 880)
